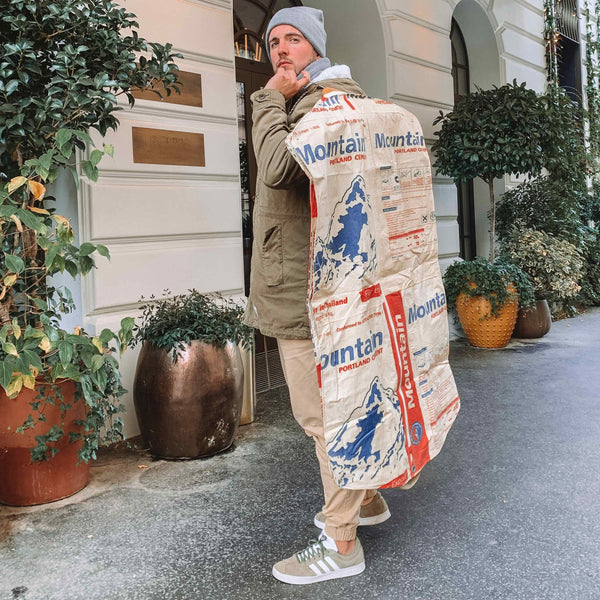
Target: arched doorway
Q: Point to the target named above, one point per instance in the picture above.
(252, 71)
(466, 200)
(483, 60)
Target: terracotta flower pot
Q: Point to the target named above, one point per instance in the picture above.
(533, 322)
(23, 483)
(481, 329)
(190, 408)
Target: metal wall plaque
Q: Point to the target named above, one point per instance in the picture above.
(163, 147)
(191, 91)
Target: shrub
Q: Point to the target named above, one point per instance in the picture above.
(545, 204)
(554, 266)
(590, 282)
(173, 322)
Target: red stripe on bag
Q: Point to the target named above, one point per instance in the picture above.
(417, 443)
(314, 212)
(319, 375)
(371, 292)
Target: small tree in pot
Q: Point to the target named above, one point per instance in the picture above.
(188, 387)
(491, 133)
(63, 65)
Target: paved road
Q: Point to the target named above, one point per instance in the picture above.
(509, 510)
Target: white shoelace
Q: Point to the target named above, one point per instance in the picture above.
(315, 548)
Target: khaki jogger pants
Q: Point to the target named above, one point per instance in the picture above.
(342, 506)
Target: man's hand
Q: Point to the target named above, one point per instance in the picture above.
(286, 81)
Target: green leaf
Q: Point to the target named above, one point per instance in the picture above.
(83, 135)
(14, 263)
(106, 336)
(51, 255)
(6, 372)
(90, 170)
(75, 176)
(127, 323)
(63, 136)
(11, 86)
(33, 359)
(101, 379)
(86, 249)
(10, 348)
(65, 353)
(31, 220)
(109, 149)
(41, 304)
(97, 362)
(71, 268)
(96, 157)
(103, 250)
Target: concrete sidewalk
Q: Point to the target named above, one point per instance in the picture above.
(509, 510)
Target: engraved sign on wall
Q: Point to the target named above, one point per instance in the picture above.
(164, 147)
(190, 88)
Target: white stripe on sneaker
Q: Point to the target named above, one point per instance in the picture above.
(315, 569)
(332, 563)
(323, 566)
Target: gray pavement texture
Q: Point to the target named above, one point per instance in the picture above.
(510, 509)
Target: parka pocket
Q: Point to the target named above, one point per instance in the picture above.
(272, 253)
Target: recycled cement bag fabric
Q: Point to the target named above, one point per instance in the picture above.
(376, 301)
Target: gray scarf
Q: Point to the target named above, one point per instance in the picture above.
(317, 67)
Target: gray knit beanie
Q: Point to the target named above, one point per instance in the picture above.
(308, 21)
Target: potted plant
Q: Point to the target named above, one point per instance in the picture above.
(554, 267)
(486, 298)
(491, 133)
(188, 386)
(63, 65)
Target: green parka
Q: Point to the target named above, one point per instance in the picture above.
(281, 219)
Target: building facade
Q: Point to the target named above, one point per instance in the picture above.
(179, 223)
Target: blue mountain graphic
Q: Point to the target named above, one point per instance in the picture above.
(349, 246)
(362, 446)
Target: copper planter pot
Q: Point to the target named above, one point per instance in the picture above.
(533, 322)
(190, 408)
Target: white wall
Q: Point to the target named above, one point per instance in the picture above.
(419, 77)
(166, 226)
(355, 38)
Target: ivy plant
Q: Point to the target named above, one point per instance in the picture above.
(172, 322)
(63, 66)
(479, 277)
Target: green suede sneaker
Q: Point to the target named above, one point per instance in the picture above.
(371, 514)
(320, 561)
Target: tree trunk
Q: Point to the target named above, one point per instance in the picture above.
(490, 183)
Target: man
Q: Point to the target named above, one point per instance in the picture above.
(277, 306)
